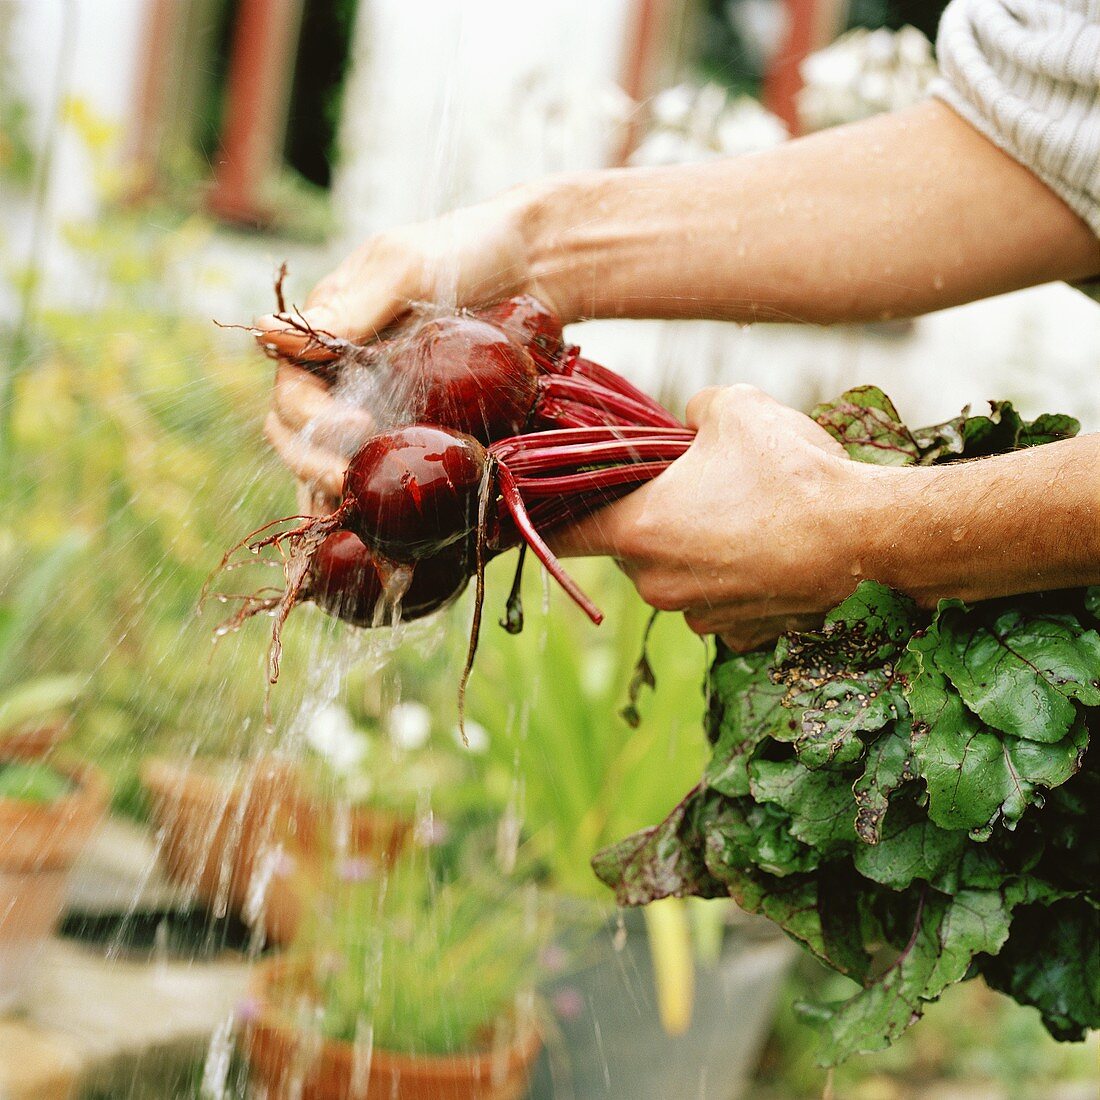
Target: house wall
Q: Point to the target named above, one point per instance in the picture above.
(80, 50)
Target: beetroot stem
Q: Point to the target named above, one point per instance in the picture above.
(553, 459)
(585, 368)
(599, 397)
(484, 496)
(588, 482)
(518, 511)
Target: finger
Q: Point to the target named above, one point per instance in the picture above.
(596, 535)
(699, 406)
(742, 637)
(304, 404)
(321, 470)
(355, 304)
(288, 336)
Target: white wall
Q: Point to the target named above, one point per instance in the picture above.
(450, 101)
(86, 50)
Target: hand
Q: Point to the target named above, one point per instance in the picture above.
(744, 534)
(472, 257)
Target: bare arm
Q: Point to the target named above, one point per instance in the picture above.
(898, 215)
(750, 539)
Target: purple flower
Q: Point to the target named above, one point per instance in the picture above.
(356, 869)
(552, 958)
(568, 1003)
(248, 1010)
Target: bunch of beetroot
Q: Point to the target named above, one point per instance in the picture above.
(492, 432)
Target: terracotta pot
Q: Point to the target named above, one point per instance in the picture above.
(34, 742)
(38, 846)
(290, 1064)
(237, 839)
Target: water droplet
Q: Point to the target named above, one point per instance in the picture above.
(958, 534)
(619, 941)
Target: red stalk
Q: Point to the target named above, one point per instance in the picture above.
(601, 398)
(588, 481)
(518, 511)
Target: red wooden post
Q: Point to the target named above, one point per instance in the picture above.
(260, 72)
(647, 46)
(811, 24)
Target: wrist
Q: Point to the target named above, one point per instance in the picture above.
(548, 212)
(883, 532)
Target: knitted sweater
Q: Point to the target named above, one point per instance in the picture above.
(1026, 74)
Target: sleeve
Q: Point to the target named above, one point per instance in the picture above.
(1026, 74)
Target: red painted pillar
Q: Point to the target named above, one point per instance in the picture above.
(260, 73)
(811, 24)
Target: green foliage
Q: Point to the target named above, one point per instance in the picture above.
(32, 782)
(29, 582)
(570, 765)
(875, 785)
(434, 963)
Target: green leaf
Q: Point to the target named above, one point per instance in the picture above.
(843, 677)
(1048, 428)
(888, 767)
(744, 838)
(746, 708)
(940, 442)
(866, 424)
(973, 774)
(823, 912)
(1020, 672)
(821, 809)
(665, 861)
(1052, 961)
(947, 933)
(911, 847)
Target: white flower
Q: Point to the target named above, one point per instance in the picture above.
(477, 737)
(332, 734)
(410, 725)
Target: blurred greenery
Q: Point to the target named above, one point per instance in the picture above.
(32, 781)
(137, 459)
(431, 962)
(971, 1043)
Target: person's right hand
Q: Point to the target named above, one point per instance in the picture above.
(474, 256)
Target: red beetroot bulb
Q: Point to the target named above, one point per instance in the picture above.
(527, 320)
(413, 491)
(468, 375)
(347, 581)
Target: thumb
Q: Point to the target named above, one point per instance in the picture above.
(597, 535)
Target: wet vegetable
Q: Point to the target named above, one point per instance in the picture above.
(909, 795)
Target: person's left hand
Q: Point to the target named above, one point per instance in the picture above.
(749, 533)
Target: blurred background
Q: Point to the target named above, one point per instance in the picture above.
(159, 159)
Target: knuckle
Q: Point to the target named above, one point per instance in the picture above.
(699, 404)
(656, 591)
(698, 624)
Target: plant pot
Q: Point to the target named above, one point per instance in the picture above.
(233, 839)
(34, 742)
(290, 1064)
(609, 1041)
(38, 846)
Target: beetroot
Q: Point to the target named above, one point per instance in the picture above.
(410, 492)
(512, 435)
(467, 374)
(526, 320)
(347, 581)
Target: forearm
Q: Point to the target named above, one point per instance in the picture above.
(992, 527)
(898, 215)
